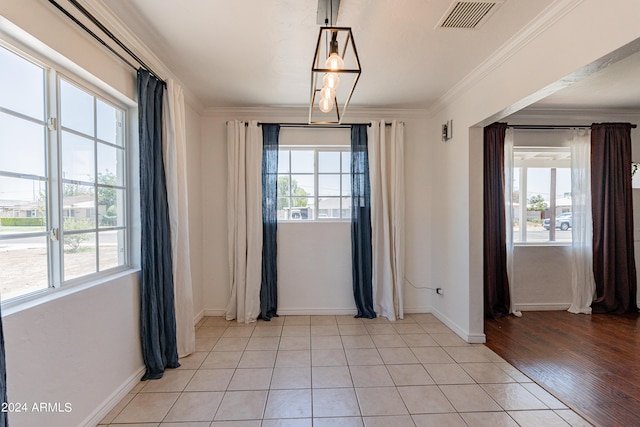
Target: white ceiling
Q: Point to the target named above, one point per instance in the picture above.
(616, 87)
(253, 53)
(248, 53)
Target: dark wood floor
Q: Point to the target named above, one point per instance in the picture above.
(589, 362)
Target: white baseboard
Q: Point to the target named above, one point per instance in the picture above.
(542, 306)
(317, 311)
(198, 317)
(115, 397)
(327, 311)
(465, 335)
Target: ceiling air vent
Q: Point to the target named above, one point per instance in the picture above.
(468, 14)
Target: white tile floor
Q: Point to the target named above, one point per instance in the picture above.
(337, 371)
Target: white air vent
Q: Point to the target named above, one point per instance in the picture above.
(468, 14)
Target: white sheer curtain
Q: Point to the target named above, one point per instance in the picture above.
(244, 219)
(386, 174)
(509, 170)
(175, 162)
(582, 281)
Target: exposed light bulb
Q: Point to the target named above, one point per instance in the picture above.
(331, 80)
(327, 92)
(325, 104)
(334, 62)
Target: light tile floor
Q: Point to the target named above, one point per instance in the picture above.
(338, 371)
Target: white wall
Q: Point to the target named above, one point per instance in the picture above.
(538, 58)
(82, 348)
(194, 188)
(314, 267)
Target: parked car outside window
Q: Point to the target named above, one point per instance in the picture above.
(563, 221)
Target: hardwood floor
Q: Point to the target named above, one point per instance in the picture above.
(590, 362)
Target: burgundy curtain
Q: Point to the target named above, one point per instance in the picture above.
(496, 282)
(613, 256)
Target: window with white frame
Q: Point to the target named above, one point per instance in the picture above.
(314, 183)
(63, 186)
(541, 198)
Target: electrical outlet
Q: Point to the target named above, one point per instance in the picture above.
(439, 291)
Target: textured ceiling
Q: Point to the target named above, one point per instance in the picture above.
(249, 53)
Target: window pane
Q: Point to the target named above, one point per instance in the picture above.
(109, 121)
(328, 161)
(110, 165)
(110, 207)
(22, 146)
(283, 208)
(79, 255)
(346, 207)
(23, 266)
(538, 193)
(329, 207)
(283, 161)
(302, 161)
(283, 185)
(77, 158)
(328, 185)
(21, 85)
(346, 185)
(302, 185)
(346, 162)
(78, 207)
(111, 249)
(23, 205)
(76, 109)
(301, 208)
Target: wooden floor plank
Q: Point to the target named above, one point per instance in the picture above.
(590, 362)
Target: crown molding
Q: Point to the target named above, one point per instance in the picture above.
(302, 113)
(101, 11)
(522, 38)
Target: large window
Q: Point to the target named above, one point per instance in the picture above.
(314, 183)
(541, 197)
(62, 179)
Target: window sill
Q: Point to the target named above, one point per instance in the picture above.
(542, 244)
(44, 296)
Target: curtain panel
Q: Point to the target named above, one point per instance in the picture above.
(361, 223)
(386, 168)
(4, 417)
(509, 171)
(269, 286)
(244, 220)
(175, 161)
(496, 281)
(157, 312)
(582, 282)
(612, 210)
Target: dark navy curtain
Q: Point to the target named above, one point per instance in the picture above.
(157, 311)
(4, 422)
(361, 254)
(269, 287)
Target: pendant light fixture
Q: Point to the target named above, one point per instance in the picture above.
(335, 70)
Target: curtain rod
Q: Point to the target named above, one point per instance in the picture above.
(104, 29)
(323, 126)
(552, 127)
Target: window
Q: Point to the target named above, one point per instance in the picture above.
(314, 184)
(63, 187)
(542, 195)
